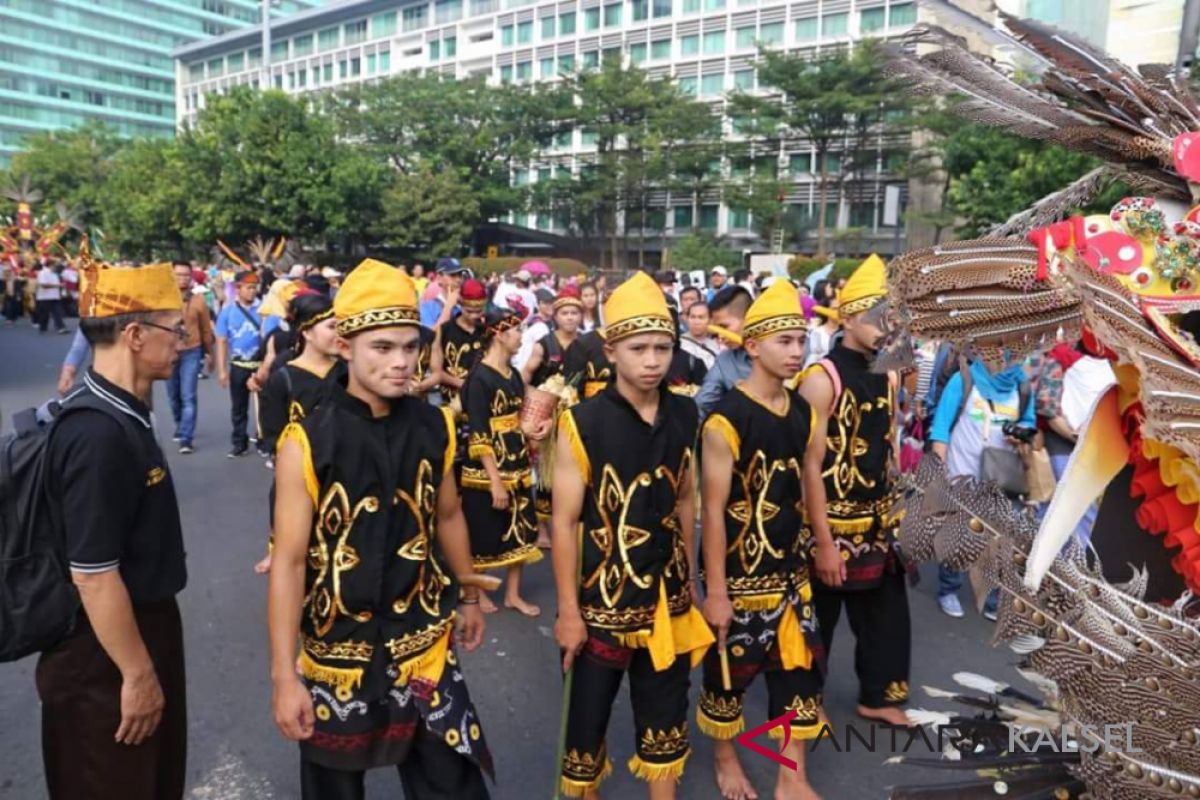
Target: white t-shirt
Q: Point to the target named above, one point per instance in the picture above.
(980, 425)
(49, 285)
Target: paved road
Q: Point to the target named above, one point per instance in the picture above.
(236, 752)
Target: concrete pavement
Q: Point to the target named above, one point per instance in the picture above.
(235, 751)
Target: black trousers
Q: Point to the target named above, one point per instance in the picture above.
(14, 303)
(80, 689)
(239, 404)
(45, 310)
(432, 771)
(882, 633)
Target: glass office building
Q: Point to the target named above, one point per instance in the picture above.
(708, 46)
(63, 62)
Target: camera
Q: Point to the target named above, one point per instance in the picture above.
(1019, 432)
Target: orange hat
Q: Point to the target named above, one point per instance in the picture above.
(568, 296)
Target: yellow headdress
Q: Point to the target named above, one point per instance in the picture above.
(777, 309)
(866, 288)
(375, 295)
(279, 297)
(106, 291)
(637, 306)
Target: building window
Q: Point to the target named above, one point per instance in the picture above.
(691, 6)
(708, 217)
(689, 45)
(327, 73)
(546, 68)
(524, 71)
(525, 32)
(254, 58)
(302, 78)
(447, 11)
(415, 18)
(714, 42)
(661, 8)
(278, 81)
(435, 50)
(799, 163)
(343, 69)
(744, 38)
(328, 39)
(355, 32)
(236, 62)
(506, 36)
(806, 29)
(588, 138)
(862, 215)
(196, 72)
(904, 14)
(450, 47)
(383, 24)
(279, 50)
(872, 19)
(385, 62)
(637, 53)
(712, 85)
(660, 49)
(370, 63)
(506, 73)
(591, 19)
(688, 86)
(771, 33)
(714, 5)
(547, 27)
(683, 217)
(835, 25)
(612, 55)
(291, 80)
(743, 80)
(739, 219)
(612, 15)
(639, 9)
(302, 46)
(355, 67)
(833, 163)
(562, 140)
(566, 64)
(591, 59)
(566, 23)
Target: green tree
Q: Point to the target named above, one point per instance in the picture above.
(840, 103)
(70, 167)
(148, 202)
(703, 251)
(429, 213)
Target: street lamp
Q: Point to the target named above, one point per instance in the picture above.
(265, 80)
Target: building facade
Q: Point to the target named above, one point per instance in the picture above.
(64, 62)
(708, 46)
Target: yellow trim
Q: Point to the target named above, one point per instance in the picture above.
(851, 526)
(566, 422)
(526, 554)
(428, 665)
(721, 425)
(671, 636)
(294, 431)
(801, 732)
(478, 451)
(572, 788)
(719, 730)
(672, 770)
(451, 440)
(336, 677)
(770, 326)
(505, 424)
(794, 652)
(758, 602)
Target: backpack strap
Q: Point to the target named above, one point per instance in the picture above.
(968, 386)
(835, 377)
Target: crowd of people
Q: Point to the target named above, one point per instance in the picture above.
(427, 431)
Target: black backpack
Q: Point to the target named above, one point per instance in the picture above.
(38, 599)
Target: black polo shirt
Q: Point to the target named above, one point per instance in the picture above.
(115, 494)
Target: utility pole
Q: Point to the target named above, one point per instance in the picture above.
(1189, 34)
(265, 81)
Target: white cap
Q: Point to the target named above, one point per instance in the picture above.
(329, 273)
(522, 275)
(719, 270)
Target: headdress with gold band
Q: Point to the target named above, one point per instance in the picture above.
(474, 294)
(865, 289)
(375, 295)
(505, 321)
(776, 310)
(106, 291)
(637, 306)
(568, 296)
(278, 298)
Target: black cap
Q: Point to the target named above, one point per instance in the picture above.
(665, 277)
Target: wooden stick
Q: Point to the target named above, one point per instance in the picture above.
(726, 683)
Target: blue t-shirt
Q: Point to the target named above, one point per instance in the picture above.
(242, 330)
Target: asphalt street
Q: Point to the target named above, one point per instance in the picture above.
(235, 751)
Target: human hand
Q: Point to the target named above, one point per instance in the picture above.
(571, 635)
(142, 704)
(293, 708)
(223, 379)
(718, 612)
(828, 562)
(471, 626)
(500, 498)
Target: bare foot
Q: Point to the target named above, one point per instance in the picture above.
(485, 604)
(796, 790)
(264, 566)
(731, 778)
(543, 541)
(528, 609)
(889, 715)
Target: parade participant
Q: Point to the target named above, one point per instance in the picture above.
(450, 277)
(624, 507)
(114, 700)
(590, 296)
(497, 479)
(855, 555)
(587, 359)
(728, 309)
(696, 338)
(370, 551)
(758, 599)
(239, 336)
(49, 296)
(548, 358)
(460, 338)
(185, 377)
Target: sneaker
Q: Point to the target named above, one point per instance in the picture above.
(177, 438)
(950, 605)
(186, 449)
(238, 452)
(265, 454)
(989, 614)
(269, 463)
(63, 330)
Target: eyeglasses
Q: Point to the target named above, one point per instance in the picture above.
(179, 330)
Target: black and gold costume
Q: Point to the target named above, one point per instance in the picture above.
(586, 358)
(774, 628)
(634, 597)
(290, 394)
(377, 650)
(493, 405)
(461, 350)
(686, 374)
(860, 496)
(425, 354)
(554, 358)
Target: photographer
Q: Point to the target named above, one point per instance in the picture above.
(979, 411)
